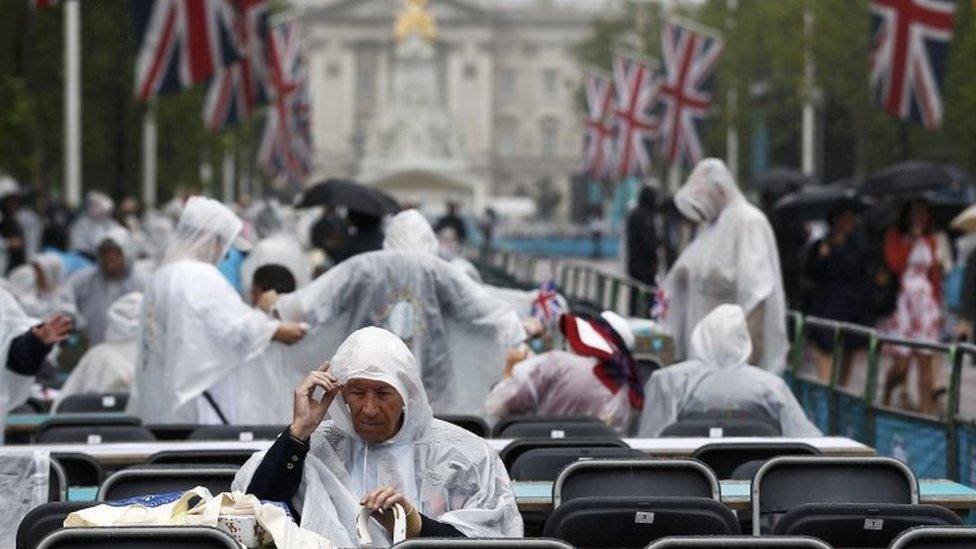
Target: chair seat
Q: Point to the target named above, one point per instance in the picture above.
(860, 524)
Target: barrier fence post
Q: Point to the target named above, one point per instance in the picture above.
(836, 359)
(799, 344)
(871, 388)
(615, 294)
(956, 355)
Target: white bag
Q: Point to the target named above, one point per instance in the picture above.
(229, 511)
(399, 525)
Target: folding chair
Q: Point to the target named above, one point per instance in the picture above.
(546, 463)
(517, 447)
(936, 538)
(636, 478)
(201, 457)
(44, 519)
(159, 479)
(80, 469)
(738, 542)
(725, 457)
(92, 429)
(722, 423)
(473, 424)
(237, 432)
(552, 427)
(861, 524)
(158, 537)
(86, 403)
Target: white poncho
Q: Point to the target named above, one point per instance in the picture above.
(197, 332)
(88, 230)
(717, 377)
(458, 331)
(14, 388)
(733, 259)
(449, 474)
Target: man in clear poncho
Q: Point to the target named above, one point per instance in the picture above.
(197, 334)
(381, 446)
(94, 289)
(457, 330)
(88, 230)
(109, 367)
(717, 377)
(733, 259)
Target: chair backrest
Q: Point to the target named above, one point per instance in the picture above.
(237, 432)
(510, 543)
(172, 431)
(721, 423)
(159, 479)
(201, 457)
(725, 457)
(936, 538)
(57, 484)
(740, 542)
(861, 524)
(546, 463)
(502, 428)
(635, 478)
(786, 482)
(473, 424)
(95, 434)
(514, 449)
(44, 519)
(160, 537)
(80, 469)
(561, 429)
(636, 521)
(84, 403)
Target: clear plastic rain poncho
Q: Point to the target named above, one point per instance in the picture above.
(37, 299)
(197, 332)
(24, 478)
(109, 367)
(277, 245)
(89, 229)
(449, 474)
(92, 293)
(14, 388)
(733, 259)
(457, 329)
(717, 377)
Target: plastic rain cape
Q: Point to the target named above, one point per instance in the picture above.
(449, 474)
(14, 388)
(718, 377)
(733, 259)
(24, 477)
(197, 332)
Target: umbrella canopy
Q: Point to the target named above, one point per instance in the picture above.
(914, 178)
(778, 182)
(352, 195)
(817, 202)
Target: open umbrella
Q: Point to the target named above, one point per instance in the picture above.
(914, 178)
(352, 195)
(817, 202)
(778, 182)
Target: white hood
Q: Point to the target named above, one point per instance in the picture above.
(722, 339)
(409, 231)
(205, 232)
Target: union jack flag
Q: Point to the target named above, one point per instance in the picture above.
(239, 88)
(686, 94)
(598, 136)
(42, 4)
(181, 43)
(546, 306)
(637, 86)
(285, 152)
(909, 46)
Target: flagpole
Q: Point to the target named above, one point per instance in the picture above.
(809, 121)
(149, 155)
(227, 170)
(731, 100)
(72, 102)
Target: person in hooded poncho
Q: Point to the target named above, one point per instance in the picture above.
(197, 334)
(88, 230)
(380, 446)
(93, 290)
(733, 259)
(109, 367)
(596, 377)
(37, 285)
(458, 331)
(717, 377)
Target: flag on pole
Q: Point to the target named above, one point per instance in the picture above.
(690, 55)
(598, 127)
(909, 47)
(637, 84)
(43, 4)
(239, 88)
(546, 306)
(285, 152)
(181, 43)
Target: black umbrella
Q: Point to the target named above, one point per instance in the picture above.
(817, 202)
(778, 182)
(352, 195)
(913, 178)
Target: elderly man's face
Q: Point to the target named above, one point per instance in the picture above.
(376, 408)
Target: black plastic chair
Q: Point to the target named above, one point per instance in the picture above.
(472, 424)
(510, 543)
(635, 478)
(739, 542)
(785, 483)
(201, 457)
(80, 469)
(160, 537)
(936, 538)
(718, 424)
(637, 521)
(546, 463)
(44, 519)
(92, 429)
(551, 427)
(725, 457)
(159, 479)
(172, 431)
(86, 403)
(237, 432)
(57, 482)
(516, 448)
(861, 524)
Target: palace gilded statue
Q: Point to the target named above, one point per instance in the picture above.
(415, 20)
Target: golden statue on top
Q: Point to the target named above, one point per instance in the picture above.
(415, 20)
